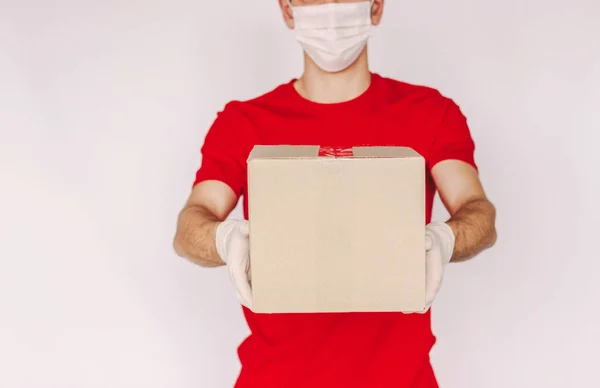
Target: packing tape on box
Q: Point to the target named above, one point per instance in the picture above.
(335, 152)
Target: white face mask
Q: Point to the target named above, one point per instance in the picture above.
(333, 34)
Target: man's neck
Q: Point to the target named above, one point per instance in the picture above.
(327, 88)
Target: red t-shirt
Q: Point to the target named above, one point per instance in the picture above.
(337, 350)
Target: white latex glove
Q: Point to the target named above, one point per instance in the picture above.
(233, 247)
(439, 247)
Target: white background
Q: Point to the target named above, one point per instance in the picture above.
(104, 106)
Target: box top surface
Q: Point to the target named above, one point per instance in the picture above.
(314, 152)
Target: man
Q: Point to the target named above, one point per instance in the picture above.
(337, 101)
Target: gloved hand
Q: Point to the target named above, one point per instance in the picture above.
(439, 247)
(233, 247)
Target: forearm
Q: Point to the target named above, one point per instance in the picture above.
(195, 237)
(474, 228)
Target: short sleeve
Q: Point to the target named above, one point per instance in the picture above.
(453, 139)
(226, 147)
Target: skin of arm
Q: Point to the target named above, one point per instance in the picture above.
(472, 215)
(207, 206)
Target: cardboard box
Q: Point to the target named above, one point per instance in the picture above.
(336, 230)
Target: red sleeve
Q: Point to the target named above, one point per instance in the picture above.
(226, 148)
(453, 139)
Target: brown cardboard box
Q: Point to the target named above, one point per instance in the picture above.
(336, 230)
